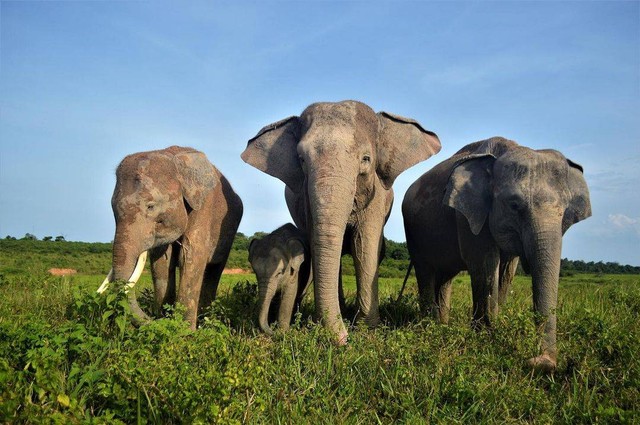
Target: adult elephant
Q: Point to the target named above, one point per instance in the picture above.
(176, 204)
(339, 161)
(490, 203)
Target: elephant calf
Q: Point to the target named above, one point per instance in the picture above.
(490, 203)
(282, 263)
(175, 204)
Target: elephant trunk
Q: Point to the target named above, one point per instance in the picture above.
(287, 302)
(125, 256)
(543, 254)
(266, 294)
(331, 202)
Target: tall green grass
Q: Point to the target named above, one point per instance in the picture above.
(69, 355)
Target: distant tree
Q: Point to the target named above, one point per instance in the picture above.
(10, 238)
(29, 237)
(241, 242)
(258, 235)
(47, 238)
(60, 238)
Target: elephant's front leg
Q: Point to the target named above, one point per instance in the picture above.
(508, 267)
(163, 272)
(366, 250)
(482, 258)
(192, 267)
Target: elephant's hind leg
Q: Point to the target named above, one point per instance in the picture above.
(442, 295)
(212, 275)
(425, 276)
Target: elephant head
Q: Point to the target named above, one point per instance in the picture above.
(342, 159)
(282, 264)
(528, 198)
(155, 192)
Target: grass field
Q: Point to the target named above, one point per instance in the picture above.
(68, 355)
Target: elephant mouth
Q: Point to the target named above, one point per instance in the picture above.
(133, 279)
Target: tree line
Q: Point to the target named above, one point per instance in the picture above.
(395, 263)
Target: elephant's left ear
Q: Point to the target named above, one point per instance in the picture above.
(197, 176)
(402, 143)
(579, 206)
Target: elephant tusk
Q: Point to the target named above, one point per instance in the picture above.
(137, 272)
(106, 281)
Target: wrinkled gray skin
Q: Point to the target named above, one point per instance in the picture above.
(491, 202)
(178, 206)
(282, 263)
(339, 160)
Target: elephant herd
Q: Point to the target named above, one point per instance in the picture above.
(491, 204)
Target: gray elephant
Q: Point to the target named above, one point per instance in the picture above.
(490, 203)
(339, 161)
(282, 264)
(178, 206)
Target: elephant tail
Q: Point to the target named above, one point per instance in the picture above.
(405, 281)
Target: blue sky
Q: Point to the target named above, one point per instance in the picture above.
(82, 84)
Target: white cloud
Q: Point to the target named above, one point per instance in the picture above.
(623, 222)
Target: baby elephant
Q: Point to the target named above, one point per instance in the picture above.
(282, 263)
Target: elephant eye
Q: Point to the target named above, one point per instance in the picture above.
(150, 206)
(366, 158)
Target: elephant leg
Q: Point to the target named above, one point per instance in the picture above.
(341, 299)
(287, 304)
(482, 257)
(366, 250)
(163, 272)
(484, 288)
(508, 266)
(425, 276)
(442, 295)
(212, 275)
(192, 268)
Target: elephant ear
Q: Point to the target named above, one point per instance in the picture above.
(295, 248)
(196, 174)
(402, 143)
(274, 151)
(469, 189)
(579, 206)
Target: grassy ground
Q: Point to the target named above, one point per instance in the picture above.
(68, 355)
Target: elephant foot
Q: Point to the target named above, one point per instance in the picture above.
(140, 320)
(544, 364)
(341, 339)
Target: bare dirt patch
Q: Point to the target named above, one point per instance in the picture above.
(235, 271)
(62, 272)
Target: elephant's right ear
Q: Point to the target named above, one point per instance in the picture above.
(274, 151)
(295, 247)
(469, 189)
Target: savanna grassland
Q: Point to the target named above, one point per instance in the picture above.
(69, 355)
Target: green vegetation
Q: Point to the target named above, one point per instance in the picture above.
(69, 355)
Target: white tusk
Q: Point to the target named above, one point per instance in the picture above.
(137, 272)
(105, 283)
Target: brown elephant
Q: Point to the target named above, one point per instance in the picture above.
(175, 204)
(339, 160)
(490, 203)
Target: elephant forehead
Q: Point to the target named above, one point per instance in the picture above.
(267, 265)
(531, 170)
